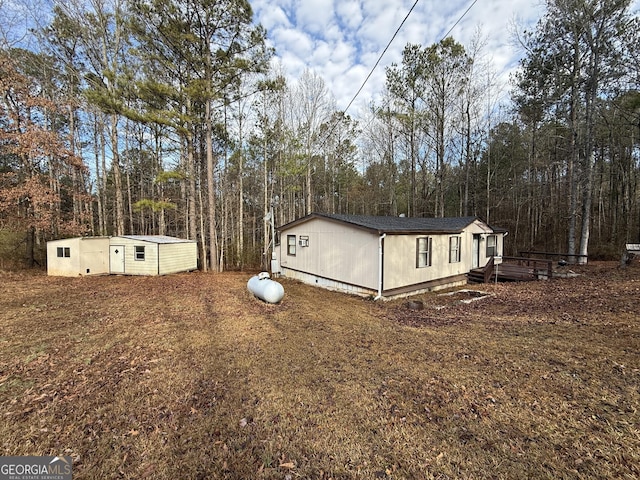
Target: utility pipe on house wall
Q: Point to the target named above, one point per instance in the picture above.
(380, 269)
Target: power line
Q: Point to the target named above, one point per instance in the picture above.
(393, 38)
(385, 50)
(459, 19)
(443, 37)
(382, 55)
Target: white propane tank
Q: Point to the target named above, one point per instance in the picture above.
(265, 289)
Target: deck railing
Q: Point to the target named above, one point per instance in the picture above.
(539, 266)
(488, 270)
(555, 255)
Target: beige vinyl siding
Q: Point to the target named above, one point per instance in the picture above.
(482, 229)
(400, 267)
(178, 257)
(335, 251)
(159, 258)
(400, 257)
(148, 266)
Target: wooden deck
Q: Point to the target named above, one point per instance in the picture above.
(512, 269)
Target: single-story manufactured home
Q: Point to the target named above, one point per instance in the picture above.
(385, 256)
(125, 255)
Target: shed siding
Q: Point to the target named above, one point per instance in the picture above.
(159, 258)
(88, 256)
(148, 266)
(178, 257)
(335, 251)
(94, 256)
(63, 266)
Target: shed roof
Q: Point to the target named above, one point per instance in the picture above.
(66, 239)
(155, 238)
(397, 225)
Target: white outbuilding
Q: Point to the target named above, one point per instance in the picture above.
(124, 255)
(151, 255)
(71, 257)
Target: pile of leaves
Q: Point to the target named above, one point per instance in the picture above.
(190, 376)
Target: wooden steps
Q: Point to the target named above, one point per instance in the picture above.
(476, 276)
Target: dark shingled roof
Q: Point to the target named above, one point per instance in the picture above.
(394, 224)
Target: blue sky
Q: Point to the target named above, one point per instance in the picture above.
(342, 39)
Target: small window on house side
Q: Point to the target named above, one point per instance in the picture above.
(454, 249)
(63, 252)
(139, 255)
(291, 245)
(423, 252)
(492, 245)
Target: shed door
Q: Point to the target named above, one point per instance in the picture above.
(116, 258)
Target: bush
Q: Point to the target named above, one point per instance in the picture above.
(12, 251)
(607, 252)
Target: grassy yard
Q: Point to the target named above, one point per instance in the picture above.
(188, 376)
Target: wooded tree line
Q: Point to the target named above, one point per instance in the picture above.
(166, 117)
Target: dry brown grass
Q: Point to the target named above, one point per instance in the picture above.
(188, 376)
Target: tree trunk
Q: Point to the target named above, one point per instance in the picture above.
(117, 177)
(31, 242)
(266, 205)
(308, 203)
(211, 194)
(191, 190)
(98, 146)
(240, 244)
(573, 154)
(203, 240)
(467, 169)
(586, 209)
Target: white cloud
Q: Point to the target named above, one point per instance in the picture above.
(273, 18)
(314, 15)
(322, 54)
(378, 26)
(342, 39)
(293, 42)
(349, 14)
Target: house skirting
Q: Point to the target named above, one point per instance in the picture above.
(328, 283)
(430, 286)
(332, 284)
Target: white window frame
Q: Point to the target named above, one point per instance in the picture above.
(423, 252)
(291, 245)
(138, 254)
(454, 248)
(493, 247)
